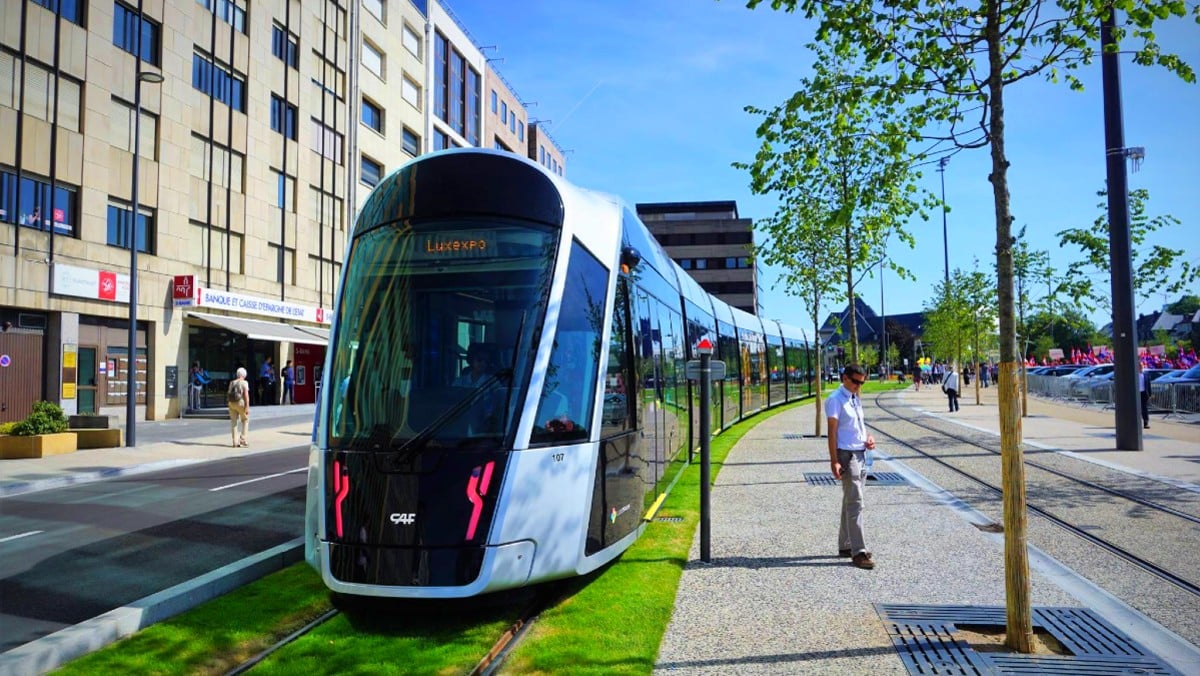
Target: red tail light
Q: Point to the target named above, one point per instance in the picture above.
(341, 488)
(477, 487)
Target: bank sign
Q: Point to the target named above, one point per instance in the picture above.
(253, 305)
(69, 280)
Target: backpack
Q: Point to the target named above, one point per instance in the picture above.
(234, 395)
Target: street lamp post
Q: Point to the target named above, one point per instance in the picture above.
(942, 162)
(883, 324)
(131, 233)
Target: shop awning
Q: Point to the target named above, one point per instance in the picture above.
(323, 334)
(260, 330)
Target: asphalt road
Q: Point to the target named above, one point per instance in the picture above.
(80, 551)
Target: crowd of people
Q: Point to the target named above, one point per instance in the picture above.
(1184, 358)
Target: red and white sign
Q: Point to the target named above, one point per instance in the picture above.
(704, 346)
(183, 290)
(69, 280)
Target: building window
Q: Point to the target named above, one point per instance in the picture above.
(39, 92)
(372, 115)
(504, 112)
(285, 191)
(375, 8)
(372, 172)
(31, 197)
(219, 82)
(411, 41)
(411, 91)
(685, 263)
(228, 166)
(327, 207)
(119, 217)
(327, 142)
(494, 100)
(441, 140)
(285, 46)
(232, 12)
(373, 59)
(701, 263)
(71, 10)
(521, 131)
(127, 28)
(122, 129)
(411, 143)
(283, 117)
(473, 111)
(441, 48)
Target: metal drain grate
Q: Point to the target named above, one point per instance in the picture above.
(793, 435)
(873, 479)
(924, 637)
(669, 519)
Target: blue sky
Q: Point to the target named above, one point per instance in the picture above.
(647, 99)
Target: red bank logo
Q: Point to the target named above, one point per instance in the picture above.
(183, 287)
(107, 287)
(320, 315)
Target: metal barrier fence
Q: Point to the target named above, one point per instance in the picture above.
(1170, 398)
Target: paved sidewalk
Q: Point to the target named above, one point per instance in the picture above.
(776, 598)
(161, 444)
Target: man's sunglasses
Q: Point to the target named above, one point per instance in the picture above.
(857, 381)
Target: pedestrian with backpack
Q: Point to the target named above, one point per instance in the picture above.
(238, 397)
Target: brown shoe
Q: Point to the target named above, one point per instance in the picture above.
(863, 560)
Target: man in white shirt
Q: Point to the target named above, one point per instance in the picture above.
(848, 444)
(950, 387)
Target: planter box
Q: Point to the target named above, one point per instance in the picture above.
(91, 422)
(99, 438)
(37, 446)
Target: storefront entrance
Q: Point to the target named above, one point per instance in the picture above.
(309, 362)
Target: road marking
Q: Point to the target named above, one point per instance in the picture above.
(22, 535)
(261, 478)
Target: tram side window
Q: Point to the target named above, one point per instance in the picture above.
(617, 417)
(569, 390)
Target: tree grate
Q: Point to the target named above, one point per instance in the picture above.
(669, 519)
(873, 479)
(925, 638)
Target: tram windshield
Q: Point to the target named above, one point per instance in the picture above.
(434, 331)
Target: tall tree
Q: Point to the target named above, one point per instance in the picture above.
(836, 149)
(1159, 270)
(948, 64)
(799, 235)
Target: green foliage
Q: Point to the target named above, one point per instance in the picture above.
(46, 418)
(6, 428)
(838, 162)
(1156, 270)
(868, 357)
(1065, 328)
(1185, 306)
(938, 71)
(960, 319)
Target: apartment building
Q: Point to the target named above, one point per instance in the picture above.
(712, 243)
(258, 129)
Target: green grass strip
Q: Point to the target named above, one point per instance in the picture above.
(609, 622)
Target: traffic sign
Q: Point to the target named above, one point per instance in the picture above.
(704, 346)
(717, 368)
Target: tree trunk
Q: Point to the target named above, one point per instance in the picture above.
(1019, 630)
(819, 371)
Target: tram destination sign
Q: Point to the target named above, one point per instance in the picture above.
(692, 370)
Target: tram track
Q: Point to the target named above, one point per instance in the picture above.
(489, 664)
(1180, 581)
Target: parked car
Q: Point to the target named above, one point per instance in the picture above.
(1058, 369)
(1191, 375)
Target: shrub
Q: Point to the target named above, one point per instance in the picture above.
(47, 418)
(6, 428)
